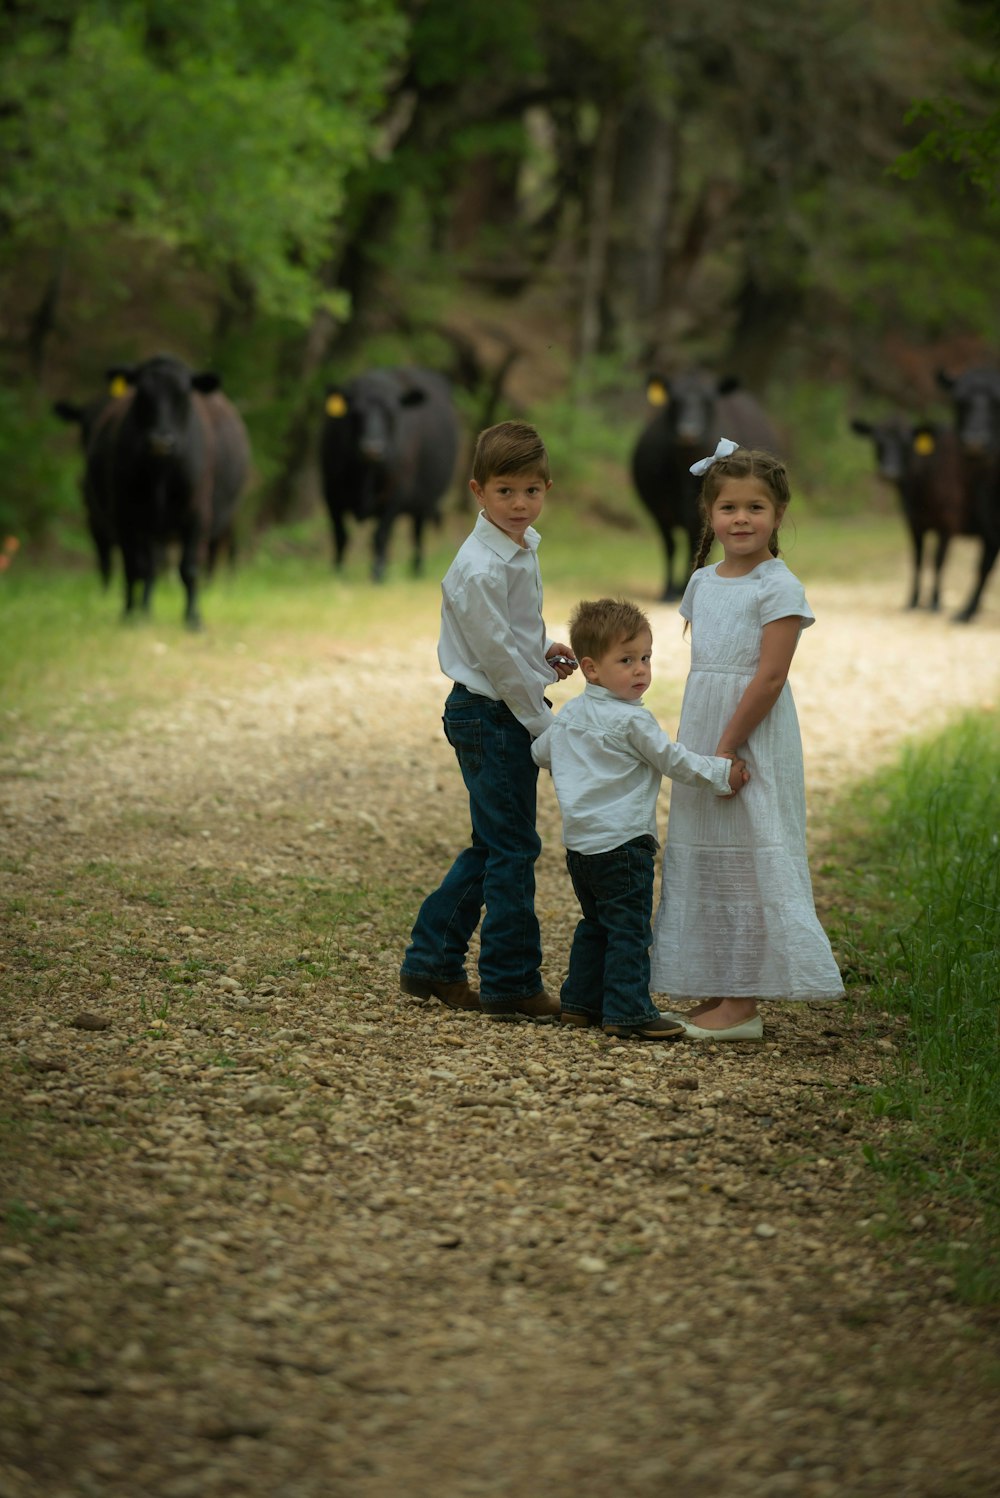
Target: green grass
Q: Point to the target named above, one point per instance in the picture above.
(926, 878)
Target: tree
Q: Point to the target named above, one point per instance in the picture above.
(222, 132)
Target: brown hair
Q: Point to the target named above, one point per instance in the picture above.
(744, 463)
(511, 447)
(595, 628)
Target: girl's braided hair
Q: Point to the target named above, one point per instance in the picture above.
(744, 463)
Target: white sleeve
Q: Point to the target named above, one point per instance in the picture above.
(783, 596)
(648, 741)
(541, 749)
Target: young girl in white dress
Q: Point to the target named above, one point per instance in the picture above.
(736, 921)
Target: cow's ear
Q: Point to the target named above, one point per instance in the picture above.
(412, 397)
(207, 382)
(657, 390)
(863, 428)
(336, 403)
(727, 385)
(945, 380)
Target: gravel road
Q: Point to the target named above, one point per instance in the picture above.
(271, 1229)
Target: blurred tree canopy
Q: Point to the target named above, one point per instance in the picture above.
(719, 183)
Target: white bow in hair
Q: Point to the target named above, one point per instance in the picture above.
(723, 450)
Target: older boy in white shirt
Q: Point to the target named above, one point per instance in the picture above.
(608, 754)
(494, 647)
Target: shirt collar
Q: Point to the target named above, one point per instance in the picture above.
(602, 693)
(497, 540)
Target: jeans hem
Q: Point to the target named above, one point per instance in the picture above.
(423, 977)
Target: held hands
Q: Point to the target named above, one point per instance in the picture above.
(562, 660)
(739, 775)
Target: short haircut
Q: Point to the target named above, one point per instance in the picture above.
(510, 447)
(597, 627)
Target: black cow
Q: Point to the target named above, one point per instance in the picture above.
(976, 398)
(692, 411)
(169, 458)
(388, 448)
(924, 464)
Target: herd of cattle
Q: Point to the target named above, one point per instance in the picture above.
(167, 457)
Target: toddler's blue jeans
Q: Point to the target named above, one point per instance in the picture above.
(498, 869)
(608, 977)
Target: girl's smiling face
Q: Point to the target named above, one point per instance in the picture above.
(744, 516)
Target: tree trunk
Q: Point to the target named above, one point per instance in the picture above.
(598, 235)
(642, 210)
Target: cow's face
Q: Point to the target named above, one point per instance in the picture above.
(691, 412)
(893, 444)
(162, 404)
(976, 396)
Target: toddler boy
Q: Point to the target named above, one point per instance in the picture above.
(494, 647)
(607, 754)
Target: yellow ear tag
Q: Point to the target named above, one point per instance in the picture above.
(656, 393)
(118, 386)
(923, 444)
(336, 404)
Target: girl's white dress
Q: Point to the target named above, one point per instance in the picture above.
(736, 917)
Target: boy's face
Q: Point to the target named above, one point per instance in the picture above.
(626, 669)
(512, 501)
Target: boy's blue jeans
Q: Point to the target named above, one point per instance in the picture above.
(498, 870)
(608, 977)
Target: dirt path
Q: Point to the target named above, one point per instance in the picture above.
(271, 1230)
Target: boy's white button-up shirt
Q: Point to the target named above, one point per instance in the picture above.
(493, 637)
(607, 759)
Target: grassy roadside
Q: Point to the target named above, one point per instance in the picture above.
(920, 851)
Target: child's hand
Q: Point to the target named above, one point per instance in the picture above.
(562, 660)
(739, 775)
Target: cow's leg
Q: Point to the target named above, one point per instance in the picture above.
(138, 560)
(380, 546)
(986, 561)
(189, 577)
(104, 551)
(917, 538)
(131, 578)
(669, 546)
(417, 564)
(940, 555)
(339, 538)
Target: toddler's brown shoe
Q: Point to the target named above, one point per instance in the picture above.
(457, 995)
(663, 1028)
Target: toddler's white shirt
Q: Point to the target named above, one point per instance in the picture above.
(607, 759)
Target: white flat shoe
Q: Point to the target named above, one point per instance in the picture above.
(751, 1029)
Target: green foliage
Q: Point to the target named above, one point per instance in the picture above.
(224, 131)
(39, 483)
(964, 132)
(954, 136)
(864, 233)
(931, 859)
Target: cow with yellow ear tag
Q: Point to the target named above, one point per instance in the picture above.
(387, 448)
(688, 413)
(922, 462)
